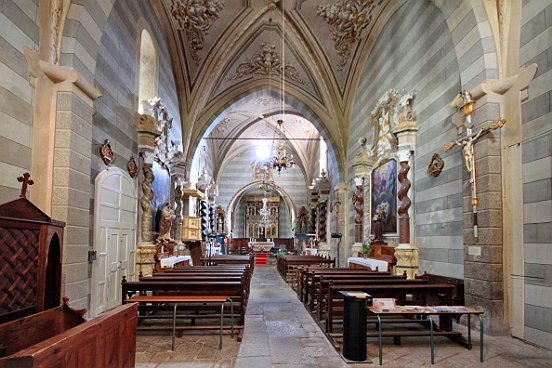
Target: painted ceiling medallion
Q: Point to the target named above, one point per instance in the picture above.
(132, 167)
(196, 17)
(265, 62)
(347, 19)
(106, 153)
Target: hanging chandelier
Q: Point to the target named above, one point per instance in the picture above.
(282, 160)
(264, 212)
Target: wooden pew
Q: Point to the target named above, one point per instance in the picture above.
(210, 272)
(235, 290)
(316, 288)
(306, 274)
(457, 294)
(285, 263)
(423, 295)
(325, 284)
(211, 277)
(60, 337)
(229, 260)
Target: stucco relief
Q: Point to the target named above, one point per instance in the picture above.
(265, 62)
(347, 19)
(196, 17)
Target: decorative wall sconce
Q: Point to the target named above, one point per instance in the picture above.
(436, 165)
(106, 153)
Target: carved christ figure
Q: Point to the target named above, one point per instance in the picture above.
(467, 145)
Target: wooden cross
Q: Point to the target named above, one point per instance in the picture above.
(467, 144)
(26, 179)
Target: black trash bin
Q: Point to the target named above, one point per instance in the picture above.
(354, 325)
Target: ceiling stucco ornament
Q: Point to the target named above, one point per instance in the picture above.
(305, 127)
(223, 125)
(384, 118)
(265, 62)
(196, 17)
(347, 19)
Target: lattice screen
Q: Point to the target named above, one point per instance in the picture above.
(18, 269)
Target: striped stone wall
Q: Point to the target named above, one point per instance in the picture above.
(19, 20)
(536, 47)
(415, 51)
(116, 76)
(79, 130)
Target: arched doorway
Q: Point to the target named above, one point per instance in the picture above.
(236, 198)
(114, 238)
(52, 293)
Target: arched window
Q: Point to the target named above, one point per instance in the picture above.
(323, 156)
(147, 82)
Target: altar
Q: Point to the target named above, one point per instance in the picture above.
(170, 262)
(261, 246)
(371, 263)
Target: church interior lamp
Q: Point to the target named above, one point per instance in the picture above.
(282, 160)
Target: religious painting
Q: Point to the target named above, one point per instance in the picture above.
(161, 193)
(384, 195)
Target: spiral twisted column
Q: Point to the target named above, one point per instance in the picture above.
(404, 218)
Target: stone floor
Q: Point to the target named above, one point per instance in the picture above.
(279, 332)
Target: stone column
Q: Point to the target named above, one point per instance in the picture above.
(178, 178)
(493, 263)
(61, 163)
(146, 127)
(407, 252)
(322, 184)
(341, 222)
(363, 165)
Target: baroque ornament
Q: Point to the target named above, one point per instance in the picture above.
(265, 62)
(347, 19)
(196, 17)
(384, 119)
(132, 167)
(436, 165)
(106, 153)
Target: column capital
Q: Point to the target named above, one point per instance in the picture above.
(63, 77)
(404, 155)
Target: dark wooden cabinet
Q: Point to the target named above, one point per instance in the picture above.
(31, 246)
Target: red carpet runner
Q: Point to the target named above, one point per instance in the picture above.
(260, 258)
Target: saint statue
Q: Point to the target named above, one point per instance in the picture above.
(358, 201)
(377, 226)
(167, 217)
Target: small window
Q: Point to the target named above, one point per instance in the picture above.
(147, 87)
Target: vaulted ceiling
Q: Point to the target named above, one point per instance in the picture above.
(313, 50)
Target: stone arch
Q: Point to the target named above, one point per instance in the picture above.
(87, 21)
(242, 149)
(291, 99)
(474, 20)
(243, 189)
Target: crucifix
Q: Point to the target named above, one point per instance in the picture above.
(465, 103)
(26, 180)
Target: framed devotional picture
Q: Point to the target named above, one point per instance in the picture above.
(384, 195)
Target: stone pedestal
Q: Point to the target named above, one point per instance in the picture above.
(407, 260)
(356, 249)
(324, 249)
(145, 258)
